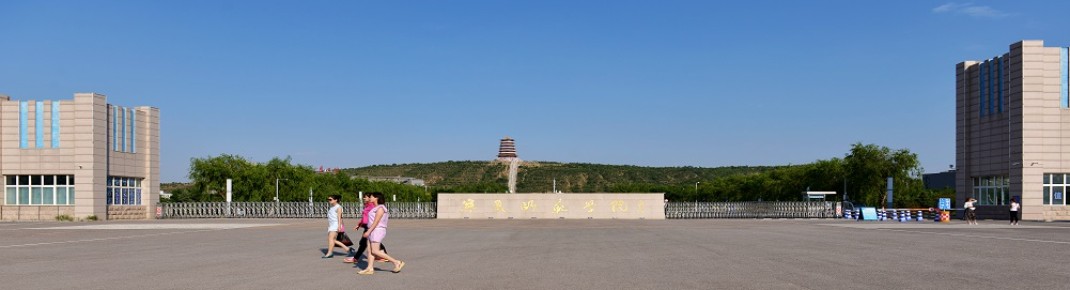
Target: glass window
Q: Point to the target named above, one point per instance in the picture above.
(1057, 179)
(1057, 195)
(991, 190)
(61, 195)
(70, 178)
(46, 195)
(10, 180)
(1047, 178)
(35, 195)
(38, 190)
(61, 180)
(1047, 195)
(124, 190)
(24, 195)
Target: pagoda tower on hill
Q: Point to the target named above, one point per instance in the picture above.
(507, 153)
(507, 149)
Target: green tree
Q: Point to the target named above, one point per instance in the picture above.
(869, 166)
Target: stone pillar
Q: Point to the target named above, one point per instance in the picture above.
(90, 154)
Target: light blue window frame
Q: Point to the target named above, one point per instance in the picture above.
(133, 131)
(24, 124)
(123, 138)
(55, 124)
(988, 90)
(39, 125)
(981, 81)
(114, 128)
(999, 84)
(1064, 73)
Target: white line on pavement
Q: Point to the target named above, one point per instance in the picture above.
(979, 237)
(104, 239)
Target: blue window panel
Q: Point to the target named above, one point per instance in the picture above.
(115, 128)
(988, 81)
(47, 195)
(70, 195)
(981, 89)
(39, 125)
(55, 124)
(138, 194)
(123, 137)
(35, 194)
(110, 194)
(24, 195)
(999, 84)
(24, 124)
(61, 195)
(133, 131)
(1064, 91)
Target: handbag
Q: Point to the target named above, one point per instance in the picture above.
(344, 238)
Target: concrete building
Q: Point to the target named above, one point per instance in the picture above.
(1013, 131)
(81, 157)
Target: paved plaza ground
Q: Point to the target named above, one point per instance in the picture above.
(540, 254)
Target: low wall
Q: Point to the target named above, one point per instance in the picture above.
(127, 212)
(551, 206)
(34, 213)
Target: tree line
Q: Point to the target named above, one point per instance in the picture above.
(256, 182)
(861, 173)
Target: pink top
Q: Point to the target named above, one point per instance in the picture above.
(364, 214)
(382, 221)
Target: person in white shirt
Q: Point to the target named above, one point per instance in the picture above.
(335, 228)
(971, 215)
(1015, 206)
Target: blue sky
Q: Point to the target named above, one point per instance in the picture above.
(651, 83)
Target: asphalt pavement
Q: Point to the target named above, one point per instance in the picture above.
(540, 254)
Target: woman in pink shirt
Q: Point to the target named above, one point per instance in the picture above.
(368, 206)
(378, 218)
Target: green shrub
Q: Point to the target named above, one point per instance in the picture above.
(64, 218)
(91, 218)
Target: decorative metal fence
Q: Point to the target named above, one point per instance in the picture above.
(179, 210)
(429, 210)
(750, 209)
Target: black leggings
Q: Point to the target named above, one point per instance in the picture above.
(364, 245)
(1014, 217)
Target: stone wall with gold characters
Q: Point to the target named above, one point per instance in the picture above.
(551, 206)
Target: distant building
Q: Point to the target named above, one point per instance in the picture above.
(81, 157)
(940, 180)
(396, 179)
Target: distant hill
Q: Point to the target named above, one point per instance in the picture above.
(539, 176)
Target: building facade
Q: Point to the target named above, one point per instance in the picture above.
(80, 157)
(1013, 132)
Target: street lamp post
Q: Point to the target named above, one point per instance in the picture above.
(696, 188)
